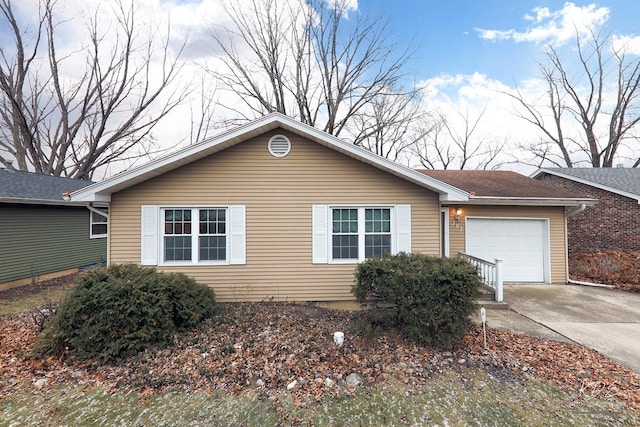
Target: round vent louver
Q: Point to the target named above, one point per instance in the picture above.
(279, 146)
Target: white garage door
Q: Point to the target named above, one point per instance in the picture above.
(520, 243)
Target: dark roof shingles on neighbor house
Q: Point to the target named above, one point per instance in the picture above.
(499, 184)
(33, 186)
(622, 179)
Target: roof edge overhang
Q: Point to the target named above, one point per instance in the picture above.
(101, 192)
(526, 201)
(540, 171)
(23, 201)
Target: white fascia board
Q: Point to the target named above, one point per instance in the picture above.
(524, 201)
(540, 171)
(101, 192)
(449, 197)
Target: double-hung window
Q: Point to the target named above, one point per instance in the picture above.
(360, 233)
(344, 240)
(212, 244)
(178, 240)
(194, 235)
(350, 234)
(377, 232)
(98, 224)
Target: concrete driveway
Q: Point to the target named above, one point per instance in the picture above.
(606, 320)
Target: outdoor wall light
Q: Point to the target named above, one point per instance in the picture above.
(458, 212)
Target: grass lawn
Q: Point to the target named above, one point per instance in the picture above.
(474, 398)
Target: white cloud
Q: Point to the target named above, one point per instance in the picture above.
(541, 13)
(556, 27)
(628, 44)
(475, 95)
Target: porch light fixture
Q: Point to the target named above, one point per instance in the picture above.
(457, 214)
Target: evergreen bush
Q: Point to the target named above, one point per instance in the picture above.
(121, 310)
(429, 298)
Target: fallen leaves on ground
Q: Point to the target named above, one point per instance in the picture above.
(620, 269)
(288, 348)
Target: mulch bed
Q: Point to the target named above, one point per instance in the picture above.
(281, 348)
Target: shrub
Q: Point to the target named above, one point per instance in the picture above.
(429, 298)
(123, 309)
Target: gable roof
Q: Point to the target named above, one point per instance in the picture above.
(506, 187)
(101, 192)
(34, 188)
(622, 181)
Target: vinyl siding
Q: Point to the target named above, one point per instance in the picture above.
(278, 194)
(557, 230)
(36, 240)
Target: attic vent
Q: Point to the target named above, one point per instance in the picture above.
(279, 146)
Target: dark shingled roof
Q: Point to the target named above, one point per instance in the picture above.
(622, 179)
(34, 186)
(499, 184)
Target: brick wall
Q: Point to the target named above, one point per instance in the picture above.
(612, 224)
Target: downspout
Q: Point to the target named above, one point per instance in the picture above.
(582, 207)
(597, 285)
(98, 211)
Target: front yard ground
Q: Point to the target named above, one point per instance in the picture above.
(276, 364)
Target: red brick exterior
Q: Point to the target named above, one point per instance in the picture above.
(612, 224)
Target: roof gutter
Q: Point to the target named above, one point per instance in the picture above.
(23, 201)
(524, 201)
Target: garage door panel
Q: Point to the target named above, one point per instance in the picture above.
(520, 243)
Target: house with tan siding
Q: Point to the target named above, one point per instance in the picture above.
(276, 209)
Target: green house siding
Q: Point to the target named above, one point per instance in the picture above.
(36, 240)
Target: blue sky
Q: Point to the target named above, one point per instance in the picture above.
(447, 41)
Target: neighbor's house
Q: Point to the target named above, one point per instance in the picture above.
(278, 209)
(614, 224)
(41, 234)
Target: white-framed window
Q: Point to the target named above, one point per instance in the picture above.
(179, 235)
(358, 233)
(350, 234)
(98, 224)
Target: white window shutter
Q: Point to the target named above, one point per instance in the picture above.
(238, 239)
(320, 236)
(403, 228)
(149, 235)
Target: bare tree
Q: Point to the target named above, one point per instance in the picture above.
(54, 123)
(389, 125)
(443, 146)
(305, 60)
(203, 121)
(589, 112)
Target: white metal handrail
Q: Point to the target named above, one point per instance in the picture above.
(490, 273)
